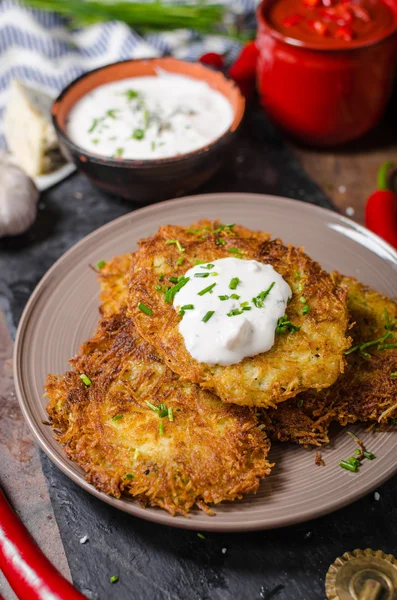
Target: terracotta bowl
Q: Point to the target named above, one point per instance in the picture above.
(152, 179)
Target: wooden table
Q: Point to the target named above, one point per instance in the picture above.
(346, 176)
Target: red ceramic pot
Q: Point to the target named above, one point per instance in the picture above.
(325, 94)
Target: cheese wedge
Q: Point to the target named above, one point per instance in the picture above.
(29, 132)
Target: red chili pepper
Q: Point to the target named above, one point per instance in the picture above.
(360, 12)
(243, 70)
(29, 572)
(292, 20)
(213, 59)
(381, 208)
(344, 33)
(311, 2)
(318, 26)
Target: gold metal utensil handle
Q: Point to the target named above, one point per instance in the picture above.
(371, 590)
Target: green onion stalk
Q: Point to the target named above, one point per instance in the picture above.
(144, 16)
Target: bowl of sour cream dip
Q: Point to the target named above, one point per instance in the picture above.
(148, 129)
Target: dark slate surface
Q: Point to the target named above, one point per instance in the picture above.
(155, 562)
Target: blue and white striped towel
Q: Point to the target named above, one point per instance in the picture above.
(37, 49)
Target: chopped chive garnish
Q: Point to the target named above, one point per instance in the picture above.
(387, 346)
(162, 406)
(163, 413)
(95, 141)
(247, 307)
(235, 296)
(199, 262)
(100, 264)
(220, 242)
(260, 298)
(173, 279)
(393, 374)
(234, 283)
(363, 345)
(170, 414)
(283, 325)
(243, 304)
(179, 261)
(161, 277)
(207, 316)
(114, 579)
(138, 134)
(112, 113)
(234, 312)
(201, 536)
(207, 289)
(201, 274)
(177, 244)
(153, 146)
(297, 274)
(93, 125)
(119, 152)
(214, 274)
(152, 406)
(223, 297)
(85, 379)
(159, 287)
(388, 325)
(299, 404)
(235, 250)
(129, 476)
(305, 309)
(145, 309)
(349, 467)
(161, 428)
(369, 455)
(169, 295)
(303, 300)
(209, 266)
(131, 94)
(188, 307)
(117, 417)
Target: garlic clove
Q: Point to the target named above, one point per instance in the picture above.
(18, 198)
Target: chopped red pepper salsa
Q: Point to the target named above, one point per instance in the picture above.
(331, 23)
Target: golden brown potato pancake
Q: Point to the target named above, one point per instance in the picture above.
(201, 453)
(367, 391)
(312, 357)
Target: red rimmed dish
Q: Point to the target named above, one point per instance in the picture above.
(326, 78)
(148, 179)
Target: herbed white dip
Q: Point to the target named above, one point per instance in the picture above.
(149, 117)
(230, 309)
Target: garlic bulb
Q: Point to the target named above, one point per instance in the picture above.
(18, 198)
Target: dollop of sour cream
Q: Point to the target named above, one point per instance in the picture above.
(149, 117)
(230, 308)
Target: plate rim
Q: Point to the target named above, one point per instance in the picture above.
(132, 506)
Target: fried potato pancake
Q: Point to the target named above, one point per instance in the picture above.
(201, 453)
(312, 357)
(366, 391)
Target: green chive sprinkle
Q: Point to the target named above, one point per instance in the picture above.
(220, 242)
(162, 406)
(85, 379)
(179, 261)
(235, 296)
(223, 297)
(243, 304)
(201, 274)
(199, 262)
(363, 345)
(114, 579)
(247, 307)
(387, 346)
(207, 289)
(207, 316)
(299, 404)
(169, 295)
(234, 312)
(152, 406)
(188, 307)
(170, 414)
(93, 125)
(112, 113)
(260, 298)
(173, 279)
(369, 455)
(119, 152)
(177, 244)
(235, 250)
(163, 413)
(161, 428)
(297, 274)
(393, 374)
(117, 417)
(101, 264)
(159, 287)
(161, 277)
(145, 309)
(201, 536)
(209, 266)
(305, 309)
(138, 134)
(234, 283)
(129, 476)
(283, 325)
(131, 94)
(303, 300)
(349, 467)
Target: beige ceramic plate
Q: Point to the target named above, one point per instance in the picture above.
(62, 313)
